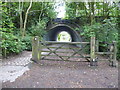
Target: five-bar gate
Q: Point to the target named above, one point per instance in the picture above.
(69, 51)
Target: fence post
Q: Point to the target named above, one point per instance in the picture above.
(114, 61)
(93, 61)
(97, 46)
(36, 52)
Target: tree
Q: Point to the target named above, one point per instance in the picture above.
(26, 16)
(21, 18)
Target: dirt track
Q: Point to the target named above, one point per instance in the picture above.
(59, 74)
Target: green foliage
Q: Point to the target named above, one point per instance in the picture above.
(27, 42)
(111, 29)
(78, 9)
(106, 31)
(11, 44)
(38, 29)
(38, 12)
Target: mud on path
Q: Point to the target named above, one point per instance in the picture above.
(61, 74)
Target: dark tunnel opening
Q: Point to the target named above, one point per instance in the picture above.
(52, 34)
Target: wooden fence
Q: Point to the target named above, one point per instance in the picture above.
(47, 47)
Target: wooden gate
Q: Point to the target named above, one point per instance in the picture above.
(68, 51)
(65, 51)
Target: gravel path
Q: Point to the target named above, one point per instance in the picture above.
(20, 60)
(58, 74)
(14, 66)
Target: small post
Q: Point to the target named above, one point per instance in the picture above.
(111, 49)
(114, 61)
(93, 61)
(36, 52)
(97, 46)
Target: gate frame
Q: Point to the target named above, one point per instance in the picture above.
(94, 51)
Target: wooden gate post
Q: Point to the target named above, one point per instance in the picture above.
(113, 59)
(97, 45)
(93, 61)
(36, 52)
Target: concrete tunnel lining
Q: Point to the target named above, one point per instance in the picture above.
(53, 32)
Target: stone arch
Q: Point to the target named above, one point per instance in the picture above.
(53, 31)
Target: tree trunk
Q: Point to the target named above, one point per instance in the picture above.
(41, 11)
(26, 16)
(21, 19)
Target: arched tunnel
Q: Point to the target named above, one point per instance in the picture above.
(55, 30)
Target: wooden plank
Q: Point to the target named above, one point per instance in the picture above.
(55, 42)
(60, 48)
(59, 51)
(68, 56)
(104, 52)
(103, 59)
(63, 60)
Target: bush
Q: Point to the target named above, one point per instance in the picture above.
(27, 41)
(38, 29)
(106, 31)
(11, 44)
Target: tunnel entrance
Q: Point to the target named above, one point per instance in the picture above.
(63, 37)
(52, 33)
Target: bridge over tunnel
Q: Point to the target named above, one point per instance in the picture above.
(53, 31)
